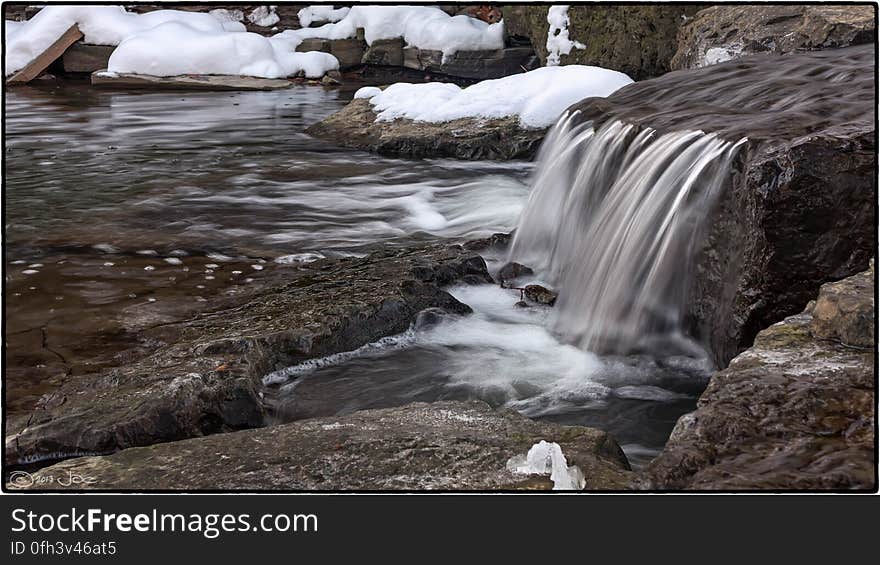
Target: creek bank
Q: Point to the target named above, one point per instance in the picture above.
(795, 411)
(442, 445)
(202, 376)
(721, 33)
(355, 126)
(800, 207)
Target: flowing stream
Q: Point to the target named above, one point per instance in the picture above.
(134, 207)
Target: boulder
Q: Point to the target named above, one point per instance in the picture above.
(637, 40)
(720, 33)
(466, 138)
(513, 270)
(205, 373)
(799, 209)
(795, 411)
(539, 294)
(384, 52)
(844, 311)
(445, 445)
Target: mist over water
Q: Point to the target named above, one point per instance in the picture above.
(614, 221)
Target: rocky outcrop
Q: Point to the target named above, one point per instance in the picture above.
(205, 374)
(445, 445)
(637, 40)
(795, 411)
(467, 138)
(721, 33)
(799, 209)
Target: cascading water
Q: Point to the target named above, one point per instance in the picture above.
(614, 221)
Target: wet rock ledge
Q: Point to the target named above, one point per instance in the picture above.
(467, 138)
(203, 376)
(795, 411)
(444, 445)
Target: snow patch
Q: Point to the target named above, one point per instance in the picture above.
(320, 14)
(558, 41)
(546, 458)
(538, 97)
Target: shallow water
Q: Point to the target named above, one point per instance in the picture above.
(129, 210)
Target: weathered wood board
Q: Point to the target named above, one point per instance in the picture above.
(42, 61)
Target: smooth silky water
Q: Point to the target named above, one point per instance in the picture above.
(129, 202)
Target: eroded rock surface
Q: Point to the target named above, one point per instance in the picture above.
(721, 33)
(467, 138)
(795, 411)
(444, 445)
(204, 374)
(799, 210)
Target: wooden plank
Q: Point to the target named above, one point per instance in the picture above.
(33, 69)
(187, 82)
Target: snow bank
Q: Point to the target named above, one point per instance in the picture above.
(158, 51)
(168, 42)
(320, 14)
(538, 97)
(101, 25)
(558, 42)
(546, 458)
(424, 27)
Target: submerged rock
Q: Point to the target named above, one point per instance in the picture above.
(799, 207)
(637, 40)
(205, 373)
(445, 445)
(795, 411)
(721, 33)
(466, 138)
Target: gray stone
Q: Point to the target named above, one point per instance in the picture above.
(792, 412)
(445, 445)
(540, 294)
(349, 52)
(487, 64)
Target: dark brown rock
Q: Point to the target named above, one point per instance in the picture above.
(205, 374)
(479, 65)
(799, 209)
(385, 52)
(721, 33)
(637, 40)
(445, 445)
(513, 270)
(466, 138)
(540, 294)
(793, 412)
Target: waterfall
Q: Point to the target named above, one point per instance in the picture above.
(614, 221)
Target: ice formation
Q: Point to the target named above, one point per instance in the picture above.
(546, 458)
(558, 41)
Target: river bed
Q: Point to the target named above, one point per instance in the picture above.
(128, 209)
